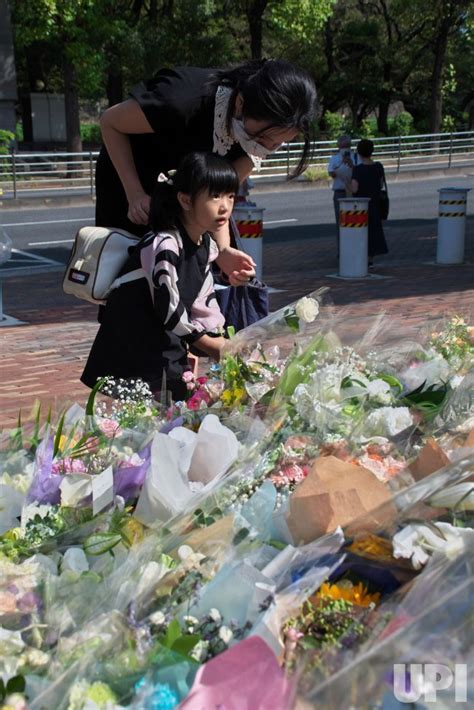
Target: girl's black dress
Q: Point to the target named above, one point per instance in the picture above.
(179, 105)
(370, 179)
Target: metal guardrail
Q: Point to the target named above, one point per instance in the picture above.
(22, 174)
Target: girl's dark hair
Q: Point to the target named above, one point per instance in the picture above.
(196, 172)
(277, 91)
(365, 148)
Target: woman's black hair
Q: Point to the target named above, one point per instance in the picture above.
(365, 147)
(277, 91)
(196, 172)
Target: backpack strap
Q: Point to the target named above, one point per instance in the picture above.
(126, 278)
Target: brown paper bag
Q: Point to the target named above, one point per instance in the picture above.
(470, 439)
(334, 493)
(430, 459)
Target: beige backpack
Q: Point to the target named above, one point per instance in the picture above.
(97, 256)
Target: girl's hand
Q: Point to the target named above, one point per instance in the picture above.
(237, 265)
(210, 346)
(139, 208)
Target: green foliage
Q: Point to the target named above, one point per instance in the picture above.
(402, 125)
(315, 174)
(6, 139)
(90, 133)
(449, 124)
(367, 128)
(335, 124)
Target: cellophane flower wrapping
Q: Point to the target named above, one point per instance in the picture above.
(139, 544)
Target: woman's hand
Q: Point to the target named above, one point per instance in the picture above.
(237, 265)
(139, 208)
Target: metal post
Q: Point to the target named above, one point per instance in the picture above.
(399, 153)
(450, 149)
(451, 225)
(249, 220)
(287, 160)
(14, 172)
(91, 170)
(353, 236)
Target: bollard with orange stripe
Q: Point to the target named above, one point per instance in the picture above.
(451, 225)
(353, 236)
(249, 221)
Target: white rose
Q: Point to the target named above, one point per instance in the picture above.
(307, 309)
(380, 391)
(226, 634)
(157, 618)
(215, 615)
(389, 421)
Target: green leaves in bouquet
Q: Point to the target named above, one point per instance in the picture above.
(428, 402)
(176, 641)
(99, 543)
(91, 400)
(292, 321)
(16, 684)
(299, 367)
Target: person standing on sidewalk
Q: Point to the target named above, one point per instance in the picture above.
(243, 114)
(368, 178)
(340, 169)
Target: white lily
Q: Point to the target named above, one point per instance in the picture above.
(417, 541)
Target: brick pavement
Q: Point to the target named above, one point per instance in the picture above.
(42, 360)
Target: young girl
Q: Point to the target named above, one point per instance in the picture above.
(149, 324)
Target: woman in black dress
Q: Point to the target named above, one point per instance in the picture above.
(368, 178)
(242, 113)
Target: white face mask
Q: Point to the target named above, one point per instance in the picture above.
(248, 143)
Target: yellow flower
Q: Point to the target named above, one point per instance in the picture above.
(226, 396)
(239, 393)
(372, 546)
(13, 534)
(356, 594)
(133, 531)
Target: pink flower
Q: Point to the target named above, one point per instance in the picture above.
(7, 603)
(109, 428)
(190, 386)
(188, 376)
(69, 465)
(199, 396)
(202, 380)
(291, 473)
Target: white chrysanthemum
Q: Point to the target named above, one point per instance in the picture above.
(307, 309)
(388, 421)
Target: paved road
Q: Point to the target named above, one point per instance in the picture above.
(290, 213)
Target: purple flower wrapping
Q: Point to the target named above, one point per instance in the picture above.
(45, 484)
(128, 479)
